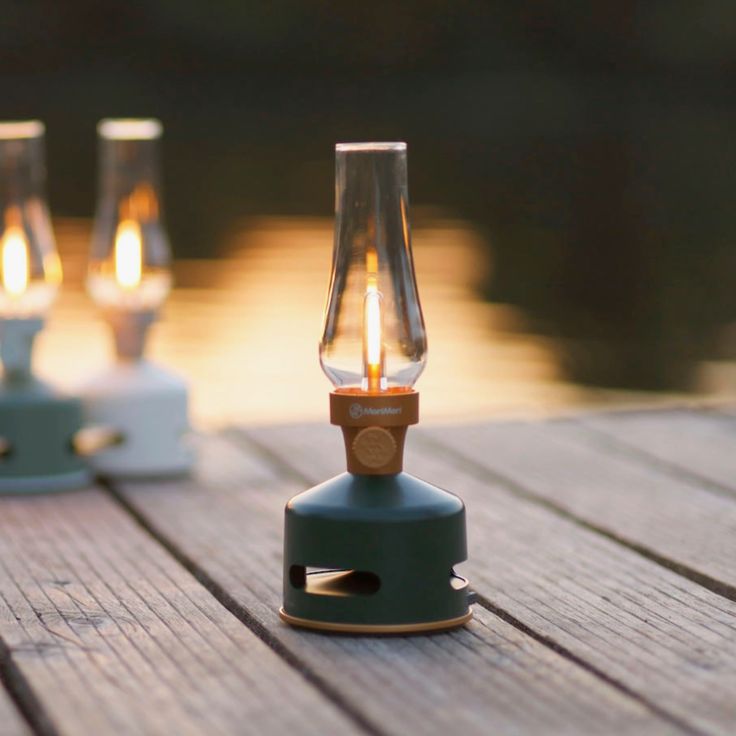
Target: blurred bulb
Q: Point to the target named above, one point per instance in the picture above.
(30, 267)
(129, 263)
(128, 256)
(373, 338)
(15, 262)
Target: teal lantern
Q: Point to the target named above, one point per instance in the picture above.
(38, 425)
(374, 549)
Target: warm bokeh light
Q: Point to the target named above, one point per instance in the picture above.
(123, 280)
(52, 268)
(127, 129)
(30, 269)
(129, 261)
(128, 254)
(243, 328)
(141, 205)
(15, 262)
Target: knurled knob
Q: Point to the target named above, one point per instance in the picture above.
(374, 447)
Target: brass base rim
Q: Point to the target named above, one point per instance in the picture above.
(423, 627)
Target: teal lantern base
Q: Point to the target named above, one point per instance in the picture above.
(375, 554)
(37, 429)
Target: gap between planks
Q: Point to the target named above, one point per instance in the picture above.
(667, 439)
(557, 465)
(189, 534)
(686, 636)
(244, 616)
(238, 610)
(111, 635)
(20, 712)
(283, 466)
(484, 472)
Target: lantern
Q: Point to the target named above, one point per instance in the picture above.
(373, 550)
(139, 408)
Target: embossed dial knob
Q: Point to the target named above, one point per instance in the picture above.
(374, 447)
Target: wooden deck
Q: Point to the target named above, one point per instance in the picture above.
(602, 552)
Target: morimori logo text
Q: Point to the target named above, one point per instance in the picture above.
(358, 410)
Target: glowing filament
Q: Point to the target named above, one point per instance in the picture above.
(373, 342)
(15, 262)
(372, 329)
(128, 254)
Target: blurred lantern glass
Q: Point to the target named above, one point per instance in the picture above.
(30, 270)
(374, 338)
(129, 262)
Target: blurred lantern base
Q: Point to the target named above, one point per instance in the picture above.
(37, 432)
(144, 408)
(375, 554)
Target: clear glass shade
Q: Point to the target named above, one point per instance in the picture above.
(129, 261)
(374, 338)
(30, 270)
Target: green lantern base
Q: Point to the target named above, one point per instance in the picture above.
(375, 554)
(37, 428)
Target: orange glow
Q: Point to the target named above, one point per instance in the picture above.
(141, 205)
(15, 262)
(52, 268)
(128, 254)
(372, 338)
(371, 264)
(372, 327)
(269, 282)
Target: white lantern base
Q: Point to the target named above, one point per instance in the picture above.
(144, 407)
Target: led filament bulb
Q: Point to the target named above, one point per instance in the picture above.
(374, 378)
(30, 270)
(15, 263)
(129, 263)
(373, 338)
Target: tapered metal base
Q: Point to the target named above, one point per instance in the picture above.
(37, 430)
(375, 554)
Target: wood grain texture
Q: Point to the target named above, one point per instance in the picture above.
(700, 445)
(645, 627)
(562, 463)
(11, 721)
(488, 678)
(115, 637)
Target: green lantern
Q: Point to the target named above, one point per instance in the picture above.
(373, 550)
(37, 424)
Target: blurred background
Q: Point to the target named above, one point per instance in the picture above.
(572, 174)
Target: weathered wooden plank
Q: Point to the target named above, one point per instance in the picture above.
(488, 678)
(561, 463)
(113, 635)
(11, 721)
(690, 443)
(639, 624)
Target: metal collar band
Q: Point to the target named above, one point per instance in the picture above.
(374, 428)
